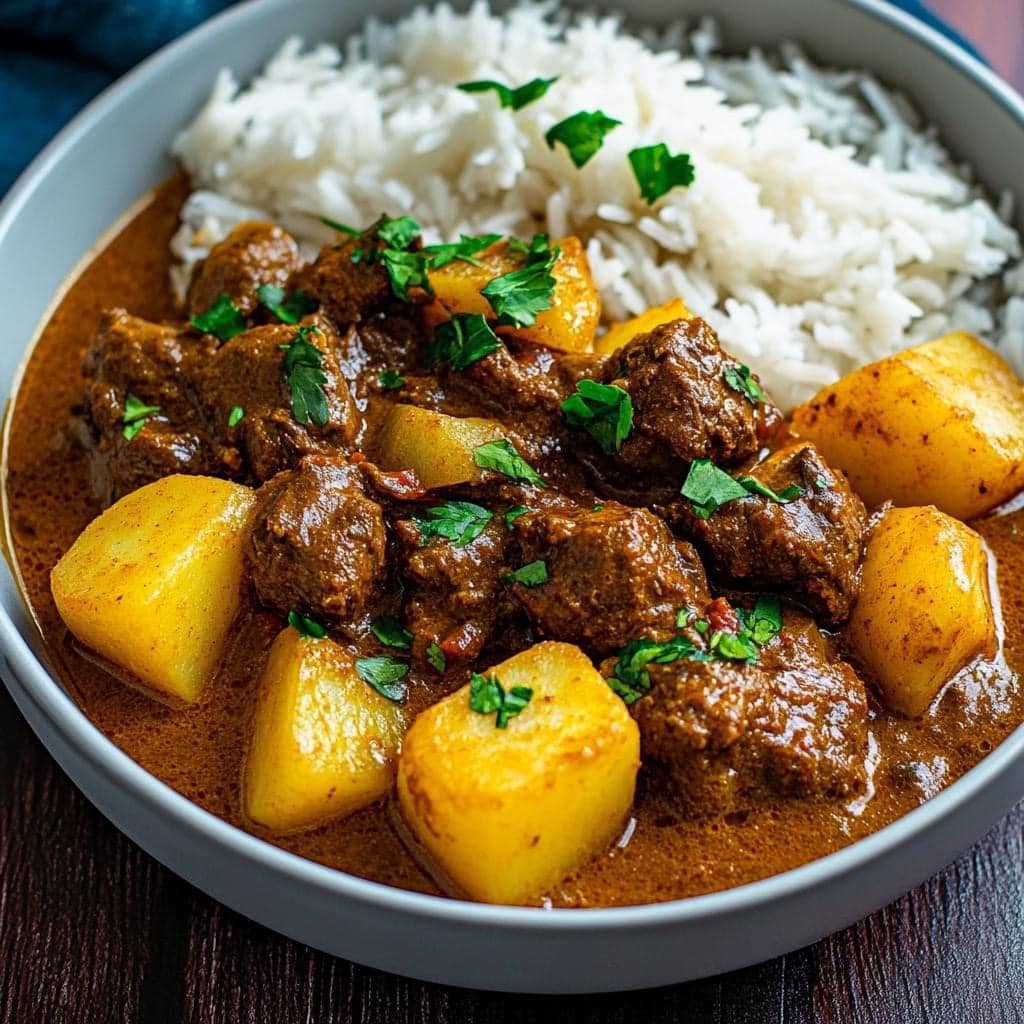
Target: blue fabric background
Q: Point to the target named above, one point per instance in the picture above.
(56, 55)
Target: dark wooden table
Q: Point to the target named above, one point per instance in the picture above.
(93, 930)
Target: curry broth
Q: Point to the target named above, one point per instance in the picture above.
(199, 751)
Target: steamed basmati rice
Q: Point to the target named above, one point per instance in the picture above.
(826, 227)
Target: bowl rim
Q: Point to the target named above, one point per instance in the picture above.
(57, 706)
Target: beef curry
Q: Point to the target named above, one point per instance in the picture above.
(426, 583)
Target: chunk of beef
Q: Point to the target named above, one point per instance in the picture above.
(454, 594)
(731, 736)
(349, 292)
(248, 371)
(154, 363)
(318, 544)
(683, 406)
(809, 548)
(391, 342)
(255, 253)
(614, 574)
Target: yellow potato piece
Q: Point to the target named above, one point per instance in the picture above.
(569, 324)
(923, 610)
(940, 424)
(618, 334)
(324, 741)
(152, 584)
(437, 447)
(507, 813)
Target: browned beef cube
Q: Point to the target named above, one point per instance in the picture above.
(730, 735)
(255, 253)
(318, 545)
(614, 574)
(350, 291)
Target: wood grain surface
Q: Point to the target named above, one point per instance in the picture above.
(93, 931)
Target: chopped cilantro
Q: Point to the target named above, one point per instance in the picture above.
(685, 616)
(597, 508)
(733, 646)
(518, 296)
(582, 134)
(464, 249)
(136, 412)
(457, 521)
(631, 678)
(537, 250)
(406, 270)
(236, 416)
(821, 483)
(487, 695)
(740, 379)
(533, 574)
(604, 411)
(223, 319)
(390, 632)
(303, 364)
(502, 457)
(657, 171)
(709, 487)
(384, 674)
(288, 307)
(517, 97)
(764, 622)
(462, 340)
(514, 513)
(398, 233)
(436, 658)
(787, 494)
(391, 380)
(342, 228)
(306, 627)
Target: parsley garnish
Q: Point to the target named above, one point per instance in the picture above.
(398, 233)
(534, 251)
(390, 632)
(236, 416)
(338, 226)
(740, 379)
(518, 296)
(289, 307)
(136, 412)
(487, 695)
(384, 673)
(457, 521)
(764, 622)
(436, 658)
(685, 616)
(709, 487)
(582, 134)
(462, 340)
(533, 574)
(631, 678)
(502, 457)
(464, 249)
(391, 380)
(406, 270)
(604, 411)
(517, 97)
(821, 483)
(514, 513)
(657, 171)
(303, 364)
(306, 626)
(223, 319)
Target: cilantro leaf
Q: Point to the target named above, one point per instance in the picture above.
(462, 340)
(341, 228)
(391, 380)
(502, 457)
(631, 678)
(533, 574)
(406, 270)
(437, 659)
(709, 487)
(657, 171)
(384, 674)
(517, 97)
(306, 627)
(537, 250)
(582, 134)
(604, 411)
(289, 308)
(740, 379)
(765, 622)
(514, 513)
(303, 371)
(457, 521)
(518, 296)
(487, 695)
(733, 646)
(236, 416)
(390, 632)
(787, 494)
(464, 249)
(136, 412)
(223, 319)
(398, 233)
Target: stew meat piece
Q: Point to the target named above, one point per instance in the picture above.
(810, 548)
(349, 291)
(318, 545)
(249, 371)
(152, 362)
(732, 735)
(683, 406)
(614, 574)
(255, 253)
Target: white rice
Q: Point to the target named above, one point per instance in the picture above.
(826, 227)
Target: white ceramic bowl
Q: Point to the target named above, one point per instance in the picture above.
(116, 150)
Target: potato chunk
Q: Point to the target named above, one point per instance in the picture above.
(152, 584)
(941, 424)
(507, 813)
(437, 447)
(924, 610)
(570, 322)
(618, 334)
(324, 742)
